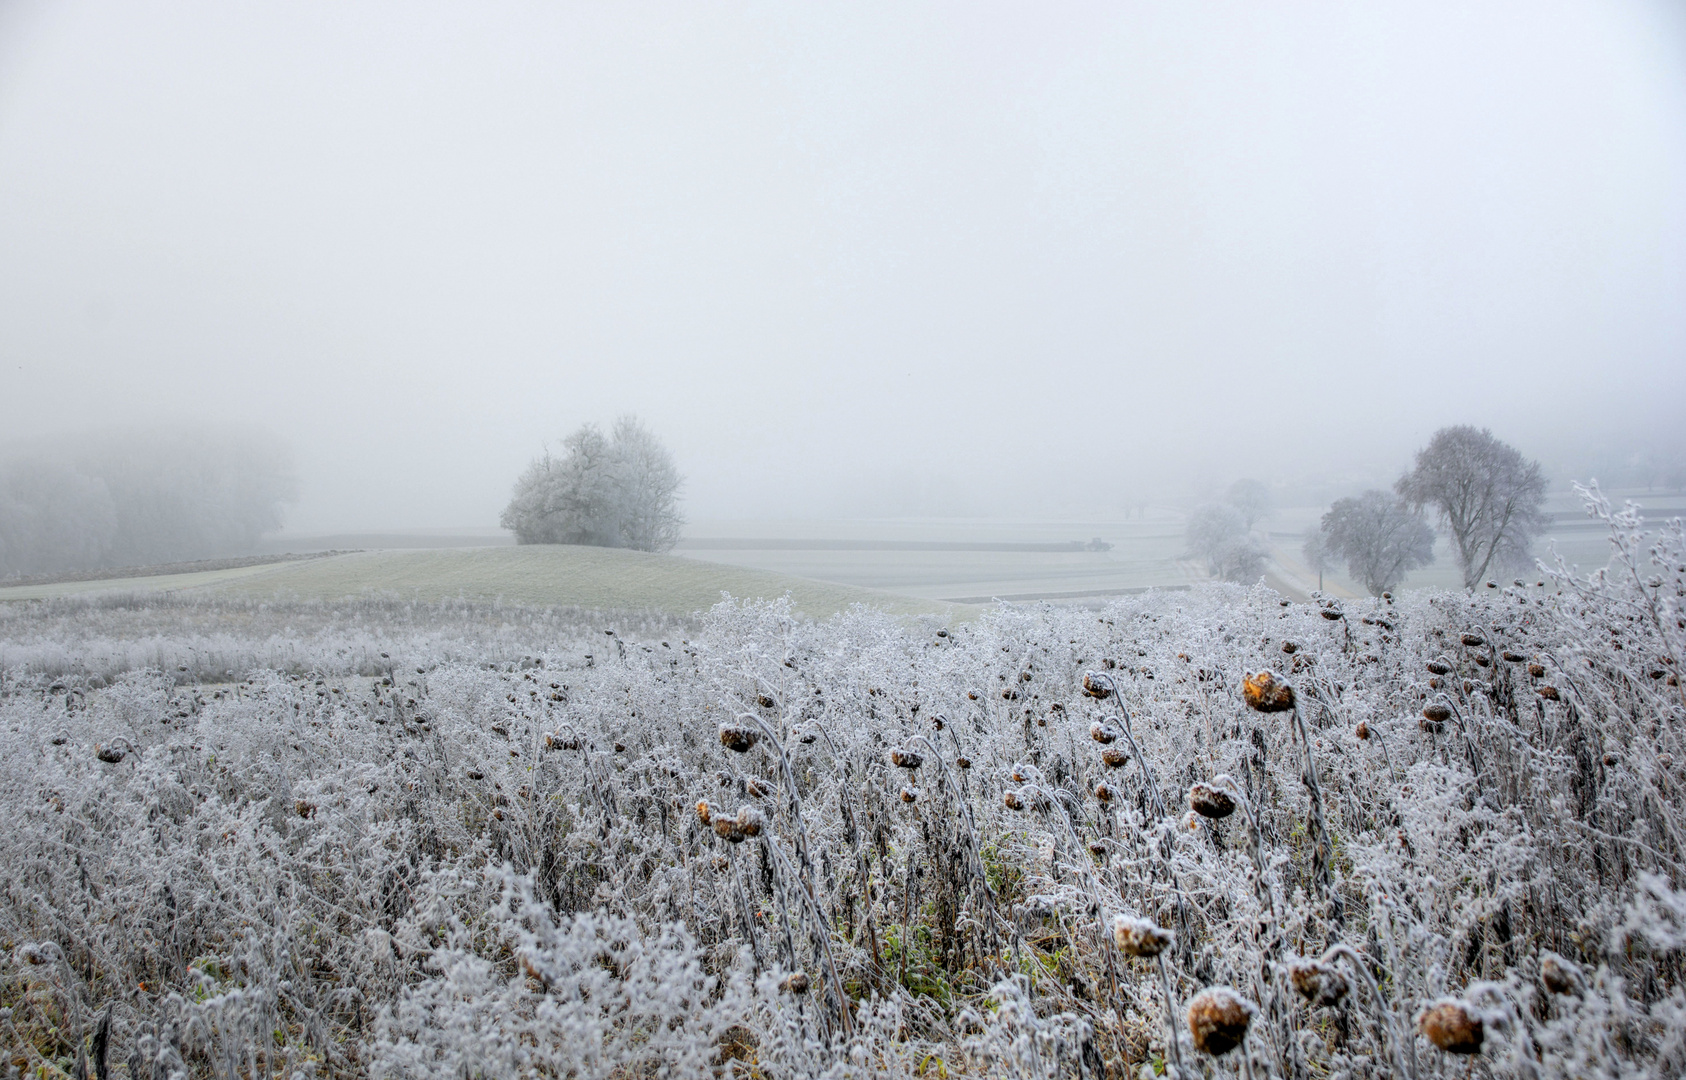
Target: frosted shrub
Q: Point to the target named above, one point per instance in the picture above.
(461, 841)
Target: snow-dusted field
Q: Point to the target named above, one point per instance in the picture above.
(253, 838)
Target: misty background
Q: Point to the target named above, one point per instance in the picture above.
(863, 260)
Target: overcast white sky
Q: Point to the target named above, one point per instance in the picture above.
(854, 258)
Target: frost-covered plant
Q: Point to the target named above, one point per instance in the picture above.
(333, 862)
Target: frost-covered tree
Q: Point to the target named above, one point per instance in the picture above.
(619, 490)
(1218, 534)
(1250, 497)
(1380, 538)
(1316, 552)
(1485, 492)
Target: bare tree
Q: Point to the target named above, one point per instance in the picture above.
(1316, 552)
(1250, 497)
(1484, 491)
(607, 491)
(1380, 538)
(1218, 534)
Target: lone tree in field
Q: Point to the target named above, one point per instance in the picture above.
(1380, 538)
(619, 490)
(1316, 552)
(1218, 534)
(1484, 491)
(1250, 497)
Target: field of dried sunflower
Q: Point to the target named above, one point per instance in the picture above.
(1208, 833)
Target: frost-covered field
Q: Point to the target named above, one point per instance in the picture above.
(247, 839)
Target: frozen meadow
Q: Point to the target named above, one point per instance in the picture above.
(1443, 836)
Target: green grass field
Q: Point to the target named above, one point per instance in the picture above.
(541, 575)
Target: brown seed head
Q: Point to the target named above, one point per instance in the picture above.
(1103, 792)
(1560, 974)
(750, 820)
(1537, 670)
(1021, 773)
(728, 829)
(1513, 657)
(1104, 734)
(795, 983)
(1218, 1019)
(1267, 692)
(1115, 758)
(963, 762)
(757, 788)
(1096, 688)
(111, 755)
(1437, 711)
(1549, 693)
(1331, 613)
(910, 794)
(1472, 640)
(1212, 800)
(738, 737)
(1290, 648)
(1362, 730)
(1140, 937)
(1452, 1025)
(1435, 667)
(906, 759)
(705, 812)
(1317, 982)
(1013, 800)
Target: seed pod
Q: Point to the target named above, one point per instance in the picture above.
(1096, 688)
(765, 702)
(111, 755)
(1104, 734)
(1513, 657)
(910, 794)
(738, 737)
(1218, 1019)
(1472, 640)
(1437, 711)
(1013, 800)
(1453, 1026)
(1318, 983)
(795, 983)
(972, 694)
(1560, 974)
(1435, 667)
(1103, 792)
(1481, 660)
(1290, 648)
(1115, 758)
(1549, 693)
(1267, 692)
(728, 829)
(906, 759)
(963, 762)
(1140, 937)
(1362, 730)
(1021, 773)
(705, 812)
(750, 820)
(1211, 800)
(1537, 670)
(1331, 613)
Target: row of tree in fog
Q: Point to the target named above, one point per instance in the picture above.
(140, 499)
(1482, 491)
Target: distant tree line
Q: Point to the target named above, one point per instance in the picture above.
(138, 499)
(1485, 495)
(615, 490)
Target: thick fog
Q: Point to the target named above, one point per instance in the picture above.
(846, 260)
